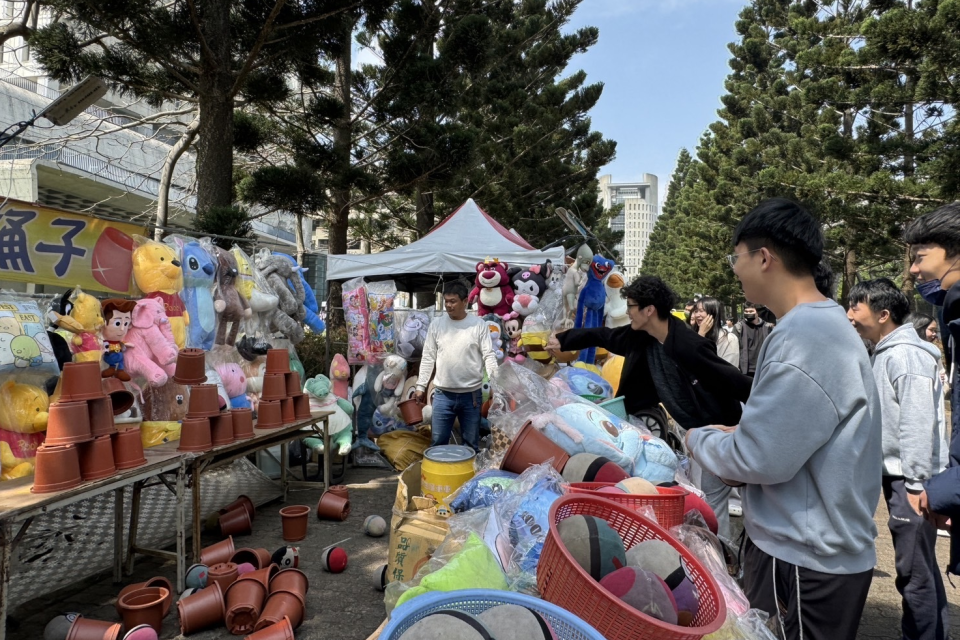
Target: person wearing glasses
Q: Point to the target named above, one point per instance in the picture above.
(808, 446)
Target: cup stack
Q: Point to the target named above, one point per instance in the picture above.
(282, 400)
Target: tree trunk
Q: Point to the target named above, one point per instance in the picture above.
(166, 176)
(849, 273)
(342, 140)
(215, 143)
(299, 236)
(909, 166)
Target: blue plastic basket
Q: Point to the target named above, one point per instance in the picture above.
(615, 406)
(566, 625)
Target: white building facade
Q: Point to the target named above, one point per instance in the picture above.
(641, 208)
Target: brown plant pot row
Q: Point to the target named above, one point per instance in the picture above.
(158, 581)
(128, 449)
(217, 553)
(269, 415)
(204, 401)
(287, 413)
(202, 609)
(191, 367)
(332, 507)
(294, 519)
(279, 605)
(195, 435)
(274, 386)
(221, 429)
(242, 425)
(531, 447)
(235, 522)
(96, 458)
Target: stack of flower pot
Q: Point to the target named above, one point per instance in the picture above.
(82, 442)
(237, 517)
(282, 400)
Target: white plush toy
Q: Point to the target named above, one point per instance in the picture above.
(389, 384)
(615, 309)
(340, 423)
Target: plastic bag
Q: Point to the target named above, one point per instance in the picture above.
(25, 348)
(380, 319)
(357, 316)
(253, 286)
(482, 490)
(157, 433)
(537, 327)
(410, 327)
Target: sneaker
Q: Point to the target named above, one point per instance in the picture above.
(943, 534)
(734, 508)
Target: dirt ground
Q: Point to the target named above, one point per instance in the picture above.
(346, 606)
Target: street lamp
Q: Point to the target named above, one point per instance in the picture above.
(62, 110)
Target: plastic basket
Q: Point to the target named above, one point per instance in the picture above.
(667, 505)
(566, 625)
(615, 406)
(563, 582)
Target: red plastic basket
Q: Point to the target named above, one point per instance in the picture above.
(564, 583)
(667, 506)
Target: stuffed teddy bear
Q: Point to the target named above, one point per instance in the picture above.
(118, 314)
(529, 285)
(513, 328)
(388, 386)
(235, 385)
(615, 309)
(287, 317)
(153, 352)
(492, 292)
(157, 272)
(23, 423)
(199, 275)
(228, 302)
(80, 314)
(322, 398)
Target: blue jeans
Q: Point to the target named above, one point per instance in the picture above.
(464, 407)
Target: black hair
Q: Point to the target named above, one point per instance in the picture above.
(715, 310)
(455, 288)
(788, 230)
(651, 290)
(941, 226)
(920, 322)
(881, 294)
(824, 279)
(690, 303)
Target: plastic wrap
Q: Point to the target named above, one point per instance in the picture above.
(357, 316)
(157, 274)
(482, 490)
(254, 287)
(708, 550)
(410, 326)
(380, 297)
(539, 325)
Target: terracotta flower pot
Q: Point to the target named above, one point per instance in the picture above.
(204, 401)
(80, 381)
(87, 629)
(191, 367)
(128, 449)
(195, 435)
(158, 581)
(143, 606)
(279, 605)
(340, 490)
(282, 630)
(274, 387)
(301, 407)
(217, 553)
(531, 447)
(200, 610)
(224, 574)
(242, 423)
(244, 601)
(290, 580)
(287, 413)
(221, 429)
(242, 501)
(293, 383)
(295, 522)
(332, 507)
(68, 423)
(258, 557)
(96, 458)
(263, 575)
(278, 361)
(101, 415)
(235, 522)
(269, 415)
(57, 468)
(121, 397)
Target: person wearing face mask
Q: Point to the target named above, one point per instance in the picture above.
(751, 332)
(934, 241)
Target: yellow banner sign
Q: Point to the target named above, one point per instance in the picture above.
(49, 246)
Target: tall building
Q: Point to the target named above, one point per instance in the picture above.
(641, 209)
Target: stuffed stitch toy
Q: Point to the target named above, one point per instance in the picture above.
(590, 305)
(492, 292)
(199, 275)
(340, 424)
(228, 302)
(528, 286)
(23, 423)
(235, 384)
(157, 272)
(153, 353)
(80, 314)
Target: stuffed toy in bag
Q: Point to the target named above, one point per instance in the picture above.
(388, 386)
(340, 375)
(157, 272)
(286, 318)
(80, 315)
(492, 292)
(529, 285)
(412, 334)
(340, 424)
(228, 302)
(199, 275)
(153, 350)
(310, 306)
(23, 425)
(513, 330)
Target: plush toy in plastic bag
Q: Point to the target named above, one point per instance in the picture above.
(482, 490)
(364, 399)
(24, 344)
(340, 424)
(228, 303)
(23, 425)
(357, 316)
(411, 327)
(389, 385)
(199, 264)
(79, 317)
(380, 297)
(283, 279)
(538, 326)
(158, 274)
(311, 308)
(585, 384)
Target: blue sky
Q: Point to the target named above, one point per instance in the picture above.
(662, 63)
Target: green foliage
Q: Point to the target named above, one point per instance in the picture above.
(312, 351)
(233, 222)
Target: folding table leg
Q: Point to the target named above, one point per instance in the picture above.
(118, 535)
(6, 554)
(327, 454)
(181, 528)
(197, 517)
(134, 525)
(284, 482)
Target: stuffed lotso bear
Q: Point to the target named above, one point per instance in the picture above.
(228, 302)
(492, 292)
(529, 286)
(23, 423)
(157, 272)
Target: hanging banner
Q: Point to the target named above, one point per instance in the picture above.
(49, 246)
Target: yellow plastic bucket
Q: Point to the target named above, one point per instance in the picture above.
(444, 470)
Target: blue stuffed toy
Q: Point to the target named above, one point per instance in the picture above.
(592, 299)
(585, 383)
(309, 300)
(364, 398)
(199, 270)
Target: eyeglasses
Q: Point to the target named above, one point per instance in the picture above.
(733, 257)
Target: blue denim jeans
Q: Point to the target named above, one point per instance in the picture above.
(464, 407)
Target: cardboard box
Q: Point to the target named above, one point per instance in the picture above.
(415, 528)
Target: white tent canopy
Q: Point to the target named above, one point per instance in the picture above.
(456, 245)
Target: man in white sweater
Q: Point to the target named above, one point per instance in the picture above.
(459, 346)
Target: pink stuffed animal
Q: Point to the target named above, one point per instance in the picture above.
(235, 384)
(493, 291)
(152, 351)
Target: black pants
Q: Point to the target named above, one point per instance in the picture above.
(827, 606)
(918, 576)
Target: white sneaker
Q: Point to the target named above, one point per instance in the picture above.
(734, 508)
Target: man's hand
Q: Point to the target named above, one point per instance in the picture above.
(553, 345)
(705, 326)
(719, 427)
(419, 396)
(921, 505)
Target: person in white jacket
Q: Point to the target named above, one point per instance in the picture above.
(915, 447)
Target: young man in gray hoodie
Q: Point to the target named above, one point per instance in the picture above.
(808, 446)
(915, 447)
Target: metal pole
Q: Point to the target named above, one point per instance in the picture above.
(118, 535)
